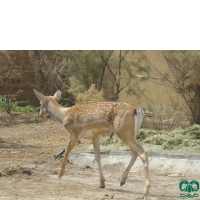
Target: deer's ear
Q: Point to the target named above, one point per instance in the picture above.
(57, 95)
(41, 97)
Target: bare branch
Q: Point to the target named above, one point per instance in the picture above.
(61, 80)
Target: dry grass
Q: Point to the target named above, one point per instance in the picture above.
(15, 169)
(38, 143)
(184, 140)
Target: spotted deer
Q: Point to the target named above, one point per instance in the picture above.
(89, 120)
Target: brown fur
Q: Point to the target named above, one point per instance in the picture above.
(91, 119)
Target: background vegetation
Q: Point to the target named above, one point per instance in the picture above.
(8, 105)
(103, 75)
(183, 141)
(182, 76)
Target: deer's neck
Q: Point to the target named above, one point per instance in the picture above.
(57, 112)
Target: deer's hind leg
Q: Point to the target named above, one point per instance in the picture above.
(129, 140)
(144, 157)
(73, 141)
(97, 157)
(137, 150)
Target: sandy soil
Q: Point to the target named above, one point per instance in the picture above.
(32, 143)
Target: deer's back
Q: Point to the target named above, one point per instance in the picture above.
(86, 113)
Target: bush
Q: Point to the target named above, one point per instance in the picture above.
(157, 140)
(163, 117)
(141, 135)
(178, 140)
(105, 141)
(194, 131)
(186, 143)
(2, 141)
(9, 105)
(171, 143)
(115, 143)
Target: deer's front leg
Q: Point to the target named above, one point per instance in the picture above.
(71, 145)
(97, 157)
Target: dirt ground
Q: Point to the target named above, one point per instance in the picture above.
(32, 143)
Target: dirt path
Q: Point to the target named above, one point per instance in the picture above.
(32, 144)
(83, 184)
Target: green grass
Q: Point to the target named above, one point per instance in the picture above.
(13, 105)
(182, 141)
(114, 143)
(2, 141)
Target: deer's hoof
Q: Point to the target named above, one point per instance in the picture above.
(146, 192)
(102, 184)
(122, 183)
(60, 174)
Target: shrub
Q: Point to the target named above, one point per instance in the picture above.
(115, 143)
(164, 117)
(141, 135)
(2, 141)
(173, 142)
(157, 140)
(186, 143)
(13, 106)
(194, 131)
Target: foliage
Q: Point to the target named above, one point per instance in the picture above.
(76, 71)
(176, 140)
(85, 66)
(182, 76)
(10, 78)
(111, 71)
(173, 142)
(115, 143)
(183, 140)
(91, 95)
(2, 141)
(67, 102)
(163, 117)
(194, 131)
(49, 67)
(14, 106)
(76, 87)
(144, 133)
(16, 169)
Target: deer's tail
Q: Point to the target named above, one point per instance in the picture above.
(138, 114)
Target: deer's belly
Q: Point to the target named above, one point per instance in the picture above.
(92, 133)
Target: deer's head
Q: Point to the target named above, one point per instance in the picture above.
(46, 101)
